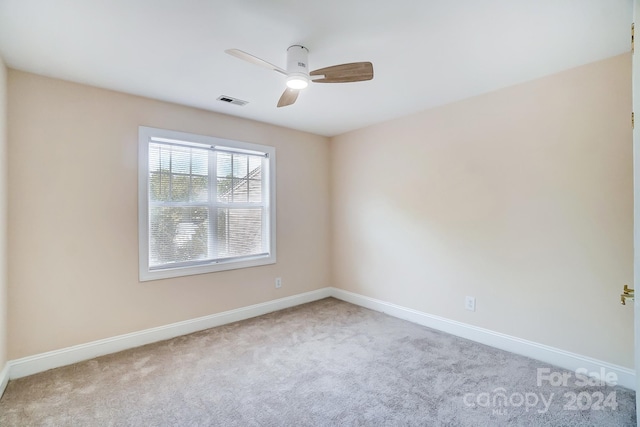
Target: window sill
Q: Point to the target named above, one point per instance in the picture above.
(146, 275)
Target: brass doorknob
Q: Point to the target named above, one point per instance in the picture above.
(626, 293)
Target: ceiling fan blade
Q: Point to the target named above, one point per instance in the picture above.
(288, 97)
(344, 73)
(254, 60)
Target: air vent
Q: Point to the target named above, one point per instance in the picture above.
(231, 100)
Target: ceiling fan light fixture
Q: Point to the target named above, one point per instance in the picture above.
(298, 75)
(297, 82)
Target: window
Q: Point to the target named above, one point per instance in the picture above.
(205, 204)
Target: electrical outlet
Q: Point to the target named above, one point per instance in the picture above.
(278, 282)
(470, 303)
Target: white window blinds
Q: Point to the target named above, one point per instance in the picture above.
(208, 206)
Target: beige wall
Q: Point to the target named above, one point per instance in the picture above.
(3, 215)
(521, 197)
(73, 263)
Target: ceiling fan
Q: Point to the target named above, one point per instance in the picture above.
(298, 76)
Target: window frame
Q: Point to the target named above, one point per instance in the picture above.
(145, 138)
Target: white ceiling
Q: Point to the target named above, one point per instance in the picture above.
(425, 52)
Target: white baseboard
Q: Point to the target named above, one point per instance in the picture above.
(54, 359)
(4, 378)
(41, 362)
(544, 353)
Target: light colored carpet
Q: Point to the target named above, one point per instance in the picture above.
(319, 364)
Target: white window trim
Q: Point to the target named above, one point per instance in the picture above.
(145, 273)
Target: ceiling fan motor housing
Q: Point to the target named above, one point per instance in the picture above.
(297, 66)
